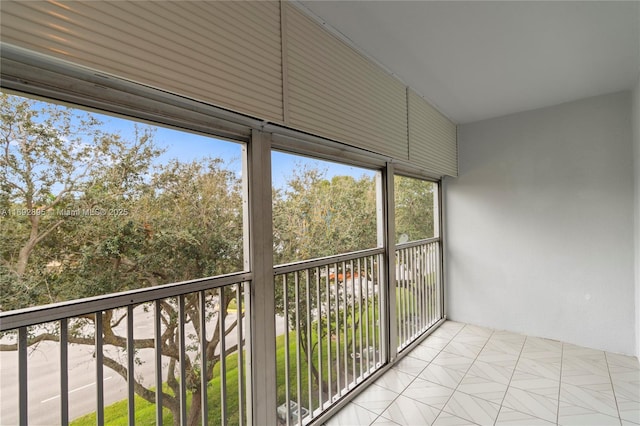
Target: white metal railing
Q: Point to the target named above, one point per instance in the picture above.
(159, 343)
(418, 289)
(331, 309)
(163, 343)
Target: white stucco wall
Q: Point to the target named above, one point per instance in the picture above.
(539, 224)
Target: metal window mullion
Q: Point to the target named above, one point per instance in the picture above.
(388, 225)
(204, 403)
(23, 383)
(64, 372)
(99, 369)
(258, 249)
(157, 332)
(131, 410)
(182, 363)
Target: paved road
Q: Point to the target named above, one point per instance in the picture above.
(44, 376)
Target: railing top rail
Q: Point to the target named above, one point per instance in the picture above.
(324, 261)
(417, 243)
(40, 314)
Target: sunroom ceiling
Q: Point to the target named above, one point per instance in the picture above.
(476, 60)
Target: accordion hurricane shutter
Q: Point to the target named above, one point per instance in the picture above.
(224, 53)
(337, 93)
(432, 138)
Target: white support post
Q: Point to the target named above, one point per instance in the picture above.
(261, 365)
(386, 236)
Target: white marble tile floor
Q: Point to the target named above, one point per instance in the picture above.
(468, 375)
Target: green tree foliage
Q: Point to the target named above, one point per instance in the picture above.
(87, 212)
(414, 208)
(316, 217)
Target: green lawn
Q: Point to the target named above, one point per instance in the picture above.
(116, 414)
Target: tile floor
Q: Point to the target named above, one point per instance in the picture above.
(468, 375)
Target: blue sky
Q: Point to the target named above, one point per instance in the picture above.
(186, 147)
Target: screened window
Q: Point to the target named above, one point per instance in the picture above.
(92, 204)
(321, 208)
(415, 209)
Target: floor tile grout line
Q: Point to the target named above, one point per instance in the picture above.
(614, 395)
(464, 375)
(613, 388)
(414, 379)
(560, 384)
(510, 379)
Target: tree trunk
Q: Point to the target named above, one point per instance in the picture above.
(25, 251)
(194, 414)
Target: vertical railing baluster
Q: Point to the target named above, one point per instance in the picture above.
(360, 325)
(298, 359)
(183, 358)
(439, 281)
(23, 385)
(414, 291)
(435, 280)
(222, 317)
(285, 303)
(366, 313)
(204, 404)
(99, 369)
(327, 281)
(375, 312)
(345, 333)
(405, 271)
(64, 372)
(131, 410)
(319, 337)
(240, 345)
(309, 347)
(352, 304)
(338, 354)
(425, 294)
(400, 300)
(418, 290)
(157, 333)
(432, 290)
